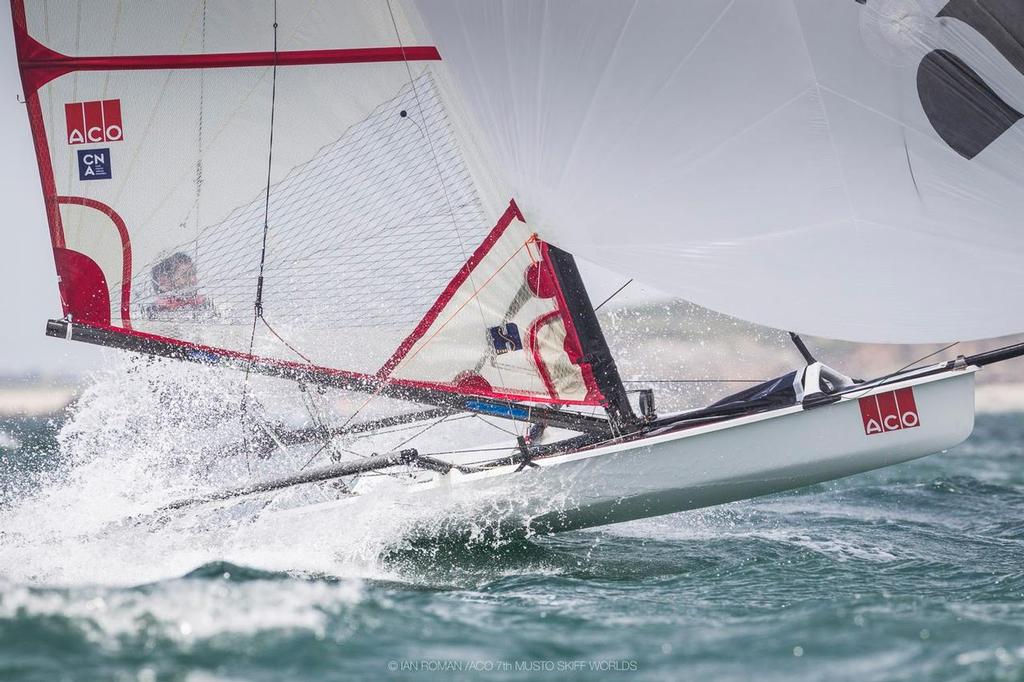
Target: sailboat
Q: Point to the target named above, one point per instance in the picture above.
(386, 198)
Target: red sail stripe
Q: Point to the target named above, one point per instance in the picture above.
(538, 359)
(126, 250)
(40, 65)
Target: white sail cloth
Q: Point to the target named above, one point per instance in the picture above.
(847, 168)
(367, 242)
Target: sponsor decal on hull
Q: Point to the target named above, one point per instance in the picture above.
(890, 411)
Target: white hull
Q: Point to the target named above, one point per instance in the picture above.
(695, 467)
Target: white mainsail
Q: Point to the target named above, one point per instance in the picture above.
(848, 168)
(170, 135)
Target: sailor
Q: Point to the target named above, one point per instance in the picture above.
(176, 285)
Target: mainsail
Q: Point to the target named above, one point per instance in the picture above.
(381, 181)
(291, 185)
(848, 168)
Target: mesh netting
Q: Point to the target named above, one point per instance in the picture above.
(363, 235)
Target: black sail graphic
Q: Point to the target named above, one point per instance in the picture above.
(961, 106)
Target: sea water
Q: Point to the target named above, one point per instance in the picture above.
(909, 573)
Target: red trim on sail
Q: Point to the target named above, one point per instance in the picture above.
(83, 287)
(49, 185)
(543, 270)
(40, 64)
(126, 249)
(25, 47)
(512, 212)
(572, 343)
(538, 359)
(42, 149)
(35, 120)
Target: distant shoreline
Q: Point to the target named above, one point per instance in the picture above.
(22, 402)
(999, 397)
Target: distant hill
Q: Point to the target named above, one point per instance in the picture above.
(680, 340)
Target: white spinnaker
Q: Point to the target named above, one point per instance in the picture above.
(769, 159)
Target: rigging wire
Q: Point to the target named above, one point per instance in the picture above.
(694, 381)
(495, 426)
(199, 145)
(420, 432)
(440, 175)
(258, 304)
(280, 338)
(905, 367)
(616, 293)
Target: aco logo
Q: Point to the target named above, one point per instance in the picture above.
(90, 122)
(890, 411)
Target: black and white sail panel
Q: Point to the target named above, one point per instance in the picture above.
(849, 168)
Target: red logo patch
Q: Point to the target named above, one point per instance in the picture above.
(98, 121)
(890, 411)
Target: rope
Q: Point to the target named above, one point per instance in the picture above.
(199, 145)
(694, 381)
(270, 167)
(444, 185)
(282, 340)
(258, 305)
(495, 426)
(628, 282)
(420, 432)
(904, 368)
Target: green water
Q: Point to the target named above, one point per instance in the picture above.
(911, 573)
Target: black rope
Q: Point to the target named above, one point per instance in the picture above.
(905, 367)
(922, 359)
(420, 433)
(437, 166)
(280, 338)
(270, 165)
(628, 282)
(495, 426)
(258, 305)
(313, 456)
(694, 381)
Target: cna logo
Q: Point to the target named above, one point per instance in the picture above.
(94, 164)
(890, 411)
(964, 110)
(98, 121)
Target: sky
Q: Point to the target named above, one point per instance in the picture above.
(27, 276)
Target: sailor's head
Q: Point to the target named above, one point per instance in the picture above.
(176, 273)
